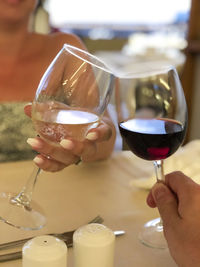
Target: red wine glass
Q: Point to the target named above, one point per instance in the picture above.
(152, 116)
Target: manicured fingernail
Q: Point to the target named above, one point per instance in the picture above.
(67, 144)
(34, 142)
(38, 160)
(92, 136)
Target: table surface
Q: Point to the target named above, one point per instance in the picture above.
(74, 196)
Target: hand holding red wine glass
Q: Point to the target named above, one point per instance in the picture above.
(152, 115)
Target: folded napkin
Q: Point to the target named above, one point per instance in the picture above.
(186, 159)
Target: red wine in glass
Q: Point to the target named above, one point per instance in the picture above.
(152, 118)
(152, 139)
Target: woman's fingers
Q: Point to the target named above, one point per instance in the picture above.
(27, 109)
(48, 164)
(87, 148)
(102, 133)
(74, 146)
(56, 157)
(56, 153)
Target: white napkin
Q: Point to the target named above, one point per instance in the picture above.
(186, 159)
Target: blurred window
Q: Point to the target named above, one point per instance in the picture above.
(124, 15)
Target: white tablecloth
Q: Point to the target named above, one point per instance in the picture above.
(72, 197)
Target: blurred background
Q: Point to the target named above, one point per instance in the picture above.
(127, 33)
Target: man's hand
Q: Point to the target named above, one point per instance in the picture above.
(178, 201)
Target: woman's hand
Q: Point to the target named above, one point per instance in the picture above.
(178, 201)
(97, 145)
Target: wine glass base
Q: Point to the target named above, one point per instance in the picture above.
(152, 235)
(19, 216)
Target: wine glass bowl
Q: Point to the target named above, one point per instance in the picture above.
(71, 98)
(152, 116)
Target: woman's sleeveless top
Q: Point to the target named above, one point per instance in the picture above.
(15, 129)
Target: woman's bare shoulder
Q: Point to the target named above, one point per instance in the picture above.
(60, 38)
(52, 43)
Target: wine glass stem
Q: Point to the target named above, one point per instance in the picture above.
(25, 195)
(160, 177)
(158, 164)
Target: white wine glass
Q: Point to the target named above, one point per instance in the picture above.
(70, 100)
(152, 116)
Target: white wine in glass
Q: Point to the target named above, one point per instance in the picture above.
(70, 100)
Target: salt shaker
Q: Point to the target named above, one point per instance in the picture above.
(94, 246)
(44, 251)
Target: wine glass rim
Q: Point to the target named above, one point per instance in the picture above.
(148, 71)
(104, 67)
